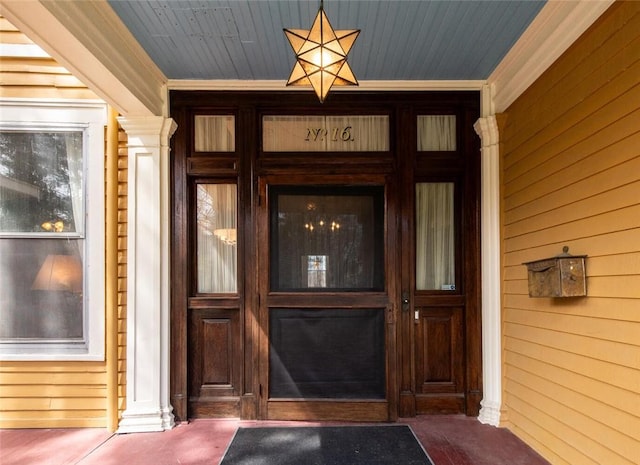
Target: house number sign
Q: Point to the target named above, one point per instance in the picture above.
(349, 133)
(343, 134)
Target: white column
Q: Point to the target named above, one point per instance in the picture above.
(487, 129)
(148, 407)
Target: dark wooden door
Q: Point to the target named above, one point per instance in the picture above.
(327, 348)
(440, 330)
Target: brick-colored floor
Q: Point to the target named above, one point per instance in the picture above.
(448, 439)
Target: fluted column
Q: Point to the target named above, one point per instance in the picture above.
(147, 403)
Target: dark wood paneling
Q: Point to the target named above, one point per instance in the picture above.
(328, 410)
(440, 360)
(439, 350)
(214, 359)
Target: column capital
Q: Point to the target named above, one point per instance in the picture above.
(140, 126)
(487, 129)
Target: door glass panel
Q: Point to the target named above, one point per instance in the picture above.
(327, 238)
(215, 133)
(436, 133)
(217, 238)
(435, 236)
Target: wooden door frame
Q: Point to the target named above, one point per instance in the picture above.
(248, 163)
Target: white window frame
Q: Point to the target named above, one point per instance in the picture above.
(90, 116)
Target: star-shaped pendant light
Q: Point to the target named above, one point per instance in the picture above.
(321, 55)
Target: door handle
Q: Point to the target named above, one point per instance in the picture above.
(405, 301)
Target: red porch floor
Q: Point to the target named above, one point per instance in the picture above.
(448, 439)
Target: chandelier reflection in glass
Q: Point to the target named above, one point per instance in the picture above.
(319, 224)
(321, 55)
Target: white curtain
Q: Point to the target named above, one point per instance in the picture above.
(436, 133)
(215, 133)
(217, 238)
(74, 163)
(435, 247)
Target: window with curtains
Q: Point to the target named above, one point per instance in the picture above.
(44, 229)
(217, 256)
(435, 236)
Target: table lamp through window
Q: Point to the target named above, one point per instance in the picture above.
(59, 273)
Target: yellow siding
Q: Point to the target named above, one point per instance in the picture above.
(122, 268)
(35, 77)
(46, 394)
(52, 394)
(571, 176)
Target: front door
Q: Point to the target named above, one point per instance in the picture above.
(327, 347)
(325, 258)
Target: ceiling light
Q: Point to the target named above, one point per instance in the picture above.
(321, 55)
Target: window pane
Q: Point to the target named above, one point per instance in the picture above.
(435, 244)
(217, 238)
(215, 133)
(327, 238)
(41, 289)
(292, 133)
(436, 133)
(41, 182)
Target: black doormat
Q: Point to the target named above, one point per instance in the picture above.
(326, 445)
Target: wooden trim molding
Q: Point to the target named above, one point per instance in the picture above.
(266, 85)
(90, 40)
(549, 35)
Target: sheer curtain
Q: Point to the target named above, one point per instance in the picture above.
(436, 133)
(435, 252)
(215, 133)
(217, 238)
(74, 164)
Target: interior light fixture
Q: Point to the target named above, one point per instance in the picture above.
(59, 273)
(321, 55)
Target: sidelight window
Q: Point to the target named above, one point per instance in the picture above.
(217, 238)
(435, 236)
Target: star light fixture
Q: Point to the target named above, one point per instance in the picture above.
(321, 55)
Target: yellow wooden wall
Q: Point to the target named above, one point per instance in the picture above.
(60, 394)
(122, 268)
(571, 176)
(35, 77)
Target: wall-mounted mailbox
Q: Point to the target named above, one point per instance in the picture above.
(560, 276)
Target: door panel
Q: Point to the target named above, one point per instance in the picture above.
(439, 356)
(214, 337)
(439, 360)
(326, 353)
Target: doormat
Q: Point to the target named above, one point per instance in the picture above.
(326, 445)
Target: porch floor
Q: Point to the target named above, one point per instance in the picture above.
(448, 439)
